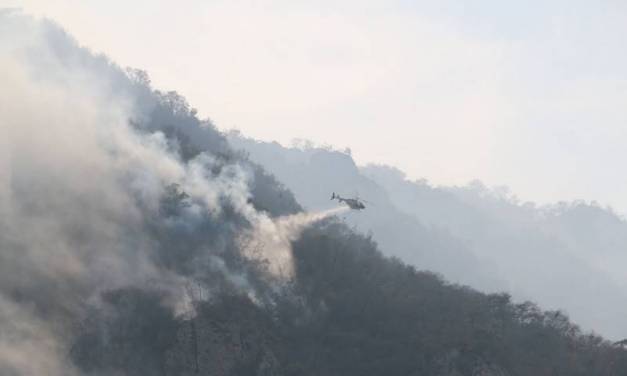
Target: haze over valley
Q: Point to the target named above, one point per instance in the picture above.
(139, 237)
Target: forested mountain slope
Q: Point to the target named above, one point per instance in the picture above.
(566, 256)
(135, 241)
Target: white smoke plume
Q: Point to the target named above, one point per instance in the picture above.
(28, 345)
(78, 186)
(270, 240)
(71, 172)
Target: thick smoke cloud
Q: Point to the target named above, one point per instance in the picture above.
(82, 199)
(27, 344)
(75, 183)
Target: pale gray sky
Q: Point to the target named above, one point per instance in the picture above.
(529, 94)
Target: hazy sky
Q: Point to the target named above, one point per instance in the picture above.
(529, 94)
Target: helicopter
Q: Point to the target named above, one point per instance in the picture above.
(353, 203)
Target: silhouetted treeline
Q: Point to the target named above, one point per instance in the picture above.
(371, 315)
(350, 311)
(111, 265)
(567, 256)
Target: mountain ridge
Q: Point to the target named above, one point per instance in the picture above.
(135, 240)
